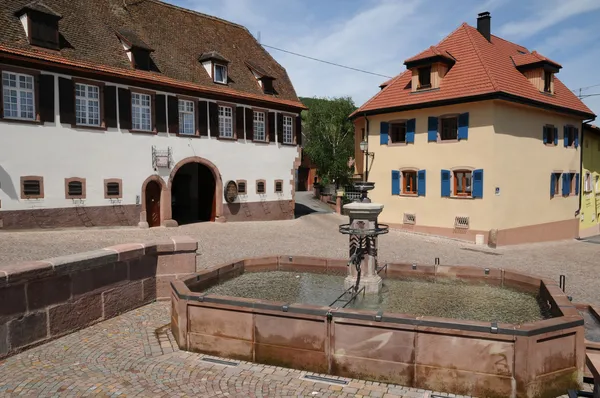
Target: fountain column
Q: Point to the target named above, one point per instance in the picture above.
(364, 227)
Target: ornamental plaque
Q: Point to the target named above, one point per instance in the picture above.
(231, 192)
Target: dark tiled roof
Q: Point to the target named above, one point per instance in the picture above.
(132, 39)
(258, 70)
(481, 68)
(39, 7)
(177, 36)
(212, 55)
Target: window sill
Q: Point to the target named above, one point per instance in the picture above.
(113, 197)
(34, 197)
(409, 195)
(227, 138)
(288, 143)
(153, 132)
(24, 121)
(452, 141)
(86, 127)
(461, 197)
(76, 197)
(424, 90)
(187, 135)
(398, 144)
(221, 83)
(261, 141)
(550, 144)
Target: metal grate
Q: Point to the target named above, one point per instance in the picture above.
(113, 189)
(31, 187)
(410, 218)
(461, 222)
(220, 361)
(75, 188)
(325, 379)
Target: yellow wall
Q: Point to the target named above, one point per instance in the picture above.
(505, 141)
(590, 207)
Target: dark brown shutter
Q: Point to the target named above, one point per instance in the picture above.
(249, 124)
(173, 112)
(202, 113)
(271, 125)
(213, 117)
(239, 122)
(46, 93)
(1, 99)
(298, 130)
(110, 106)
(125, 108)
(153, 111)
(66, 96)
(280, 128)
(161, 113)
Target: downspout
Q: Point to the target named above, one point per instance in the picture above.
(366, 173)
(581, 176)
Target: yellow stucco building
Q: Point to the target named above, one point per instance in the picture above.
(589, 220)
(477, 139)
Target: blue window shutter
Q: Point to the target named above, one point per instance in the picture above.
(384, 129)
(463, 126)
(565, 136)
(577, 184)
(555, 135)
(432, 128)
(544, 134)
(395, 182)
(478, 183)
(421, 183)
(576, 131)
(552, 179)
(446, 183)
(565, 184)
(410, 131)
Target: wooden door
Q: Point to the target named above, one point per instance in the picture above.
(153, 204)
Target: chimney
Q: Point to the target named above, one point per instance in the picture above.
(484, 25)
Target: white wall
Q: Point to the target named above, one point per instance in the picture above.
(57, 151)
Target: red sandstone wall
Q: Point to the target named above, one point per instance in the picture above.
(43, 300)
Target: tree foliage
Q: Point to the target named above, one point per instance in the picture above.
(329, 137)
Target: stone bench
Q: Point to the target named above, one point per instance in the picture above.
(592, 360)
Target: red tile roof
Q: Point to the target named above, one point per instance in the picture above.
(532, 58)
(481, 68)
(430, 53)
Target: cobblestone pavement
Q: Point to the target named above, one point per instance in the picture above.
(317, 234)
(135, 355)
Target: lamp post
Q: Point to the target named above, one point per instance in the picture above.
(364, 146)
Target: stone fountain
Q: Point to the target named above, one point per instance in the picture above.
(363, 229)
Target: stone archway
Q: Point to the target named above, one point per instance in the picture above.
(165, 203)
(218, 189)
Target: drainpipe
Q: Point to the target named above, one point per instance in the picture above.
(581, 176)
(366, 137)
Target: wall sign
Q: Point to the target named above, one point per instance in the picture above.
(231, 192)
(162, 158)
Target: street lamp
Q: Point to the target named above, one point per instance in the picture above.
(364, 146)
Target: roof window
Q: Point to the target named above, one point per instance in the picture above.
(137, 50)
(264, 79)
(216, 66)
(41, 25)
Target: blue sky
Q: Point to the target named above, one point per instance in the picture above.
(378, 35)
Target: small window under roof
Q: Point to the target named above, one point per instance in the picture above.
(139, 51)
(41, 24)
(264, 78)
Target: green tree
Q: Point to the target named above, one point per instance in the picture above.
(329, 137)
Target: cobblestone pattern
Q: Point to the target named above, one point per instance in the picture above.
(135, 355)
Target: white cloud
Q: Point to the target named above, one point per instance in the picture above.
(544, 14)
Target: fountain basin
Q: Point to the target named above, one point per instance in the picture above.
(535, 359)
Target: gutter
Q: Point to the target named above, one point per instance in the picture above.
(581, 176)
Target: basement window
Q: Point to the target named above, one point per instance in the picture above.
(260, 187)
(112, 188)
(278, 186)
(74, 188)
(241, 187)
(32, 188)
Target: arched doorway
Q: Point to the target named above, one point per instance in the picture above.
(193, 196)
(152, 199)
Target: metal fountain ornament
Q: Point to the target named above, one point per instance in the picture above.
(363, 229)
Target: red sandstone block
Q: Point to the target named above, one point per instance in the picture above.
(122, 298)
(82, 261)
(176, 263)
(337, 266)
(142, 267)
(395, 270)
(42, 293)
(163, 285)
(27, 271)
(12, 301)
(27, 329)
(99, 277)
(303, 264)
(229, 271)
(75, 315)
(128, 251)
(569, 311)
(3, 339)
(180, 287)
(513, 278)
(467, 272)
(184, 243)
(150, 248)
(165, 246)
(149, 289)
(261, 264)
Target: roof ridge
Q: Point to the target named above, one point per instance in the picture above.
(478, 53)
(511, 42)
(198, 13)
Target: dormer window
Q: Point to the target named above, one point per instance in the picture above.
(41, 25)
(137, 50)
(263, 78)
(216, 66)
(548, 81)
(424, 77)
(220, 74)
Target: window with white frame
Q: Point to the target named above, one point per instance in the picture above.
(18, 95)
(186, 117)
(259, 126)
(288, 130)
(141, 112)
(220, 74)
(87, 105)
(587, 186)
(225, 122)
